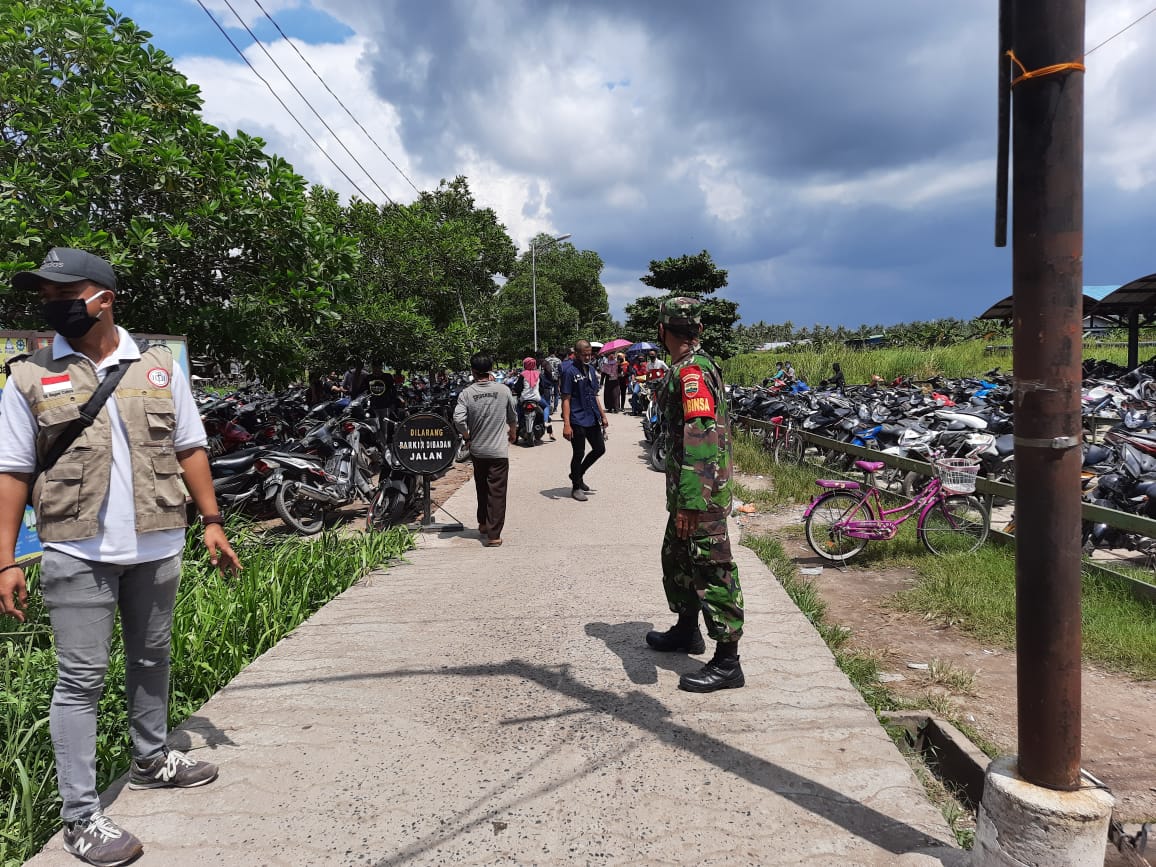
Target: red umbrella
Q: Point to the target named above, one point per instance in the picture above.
(614, 346)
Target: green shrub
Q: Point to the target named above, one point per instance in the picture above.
(219, 626)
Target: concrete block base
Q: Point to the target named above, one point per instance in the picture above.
(1023, 825)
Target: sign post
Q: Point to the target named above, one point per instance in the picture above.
(426, 445)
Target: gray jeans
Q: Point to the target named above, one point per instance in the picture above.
(82, 598)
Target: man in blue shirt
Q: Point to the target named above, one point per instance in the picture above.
(583, 418)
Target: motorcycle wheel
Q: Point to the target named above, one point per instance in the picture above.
(386, 509)
(301, 514)
(658, 454)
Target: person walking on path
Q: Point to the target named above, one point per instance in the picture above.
(608, 369)
(698, 571)
(583, 418)
(113, 542)
(487, 419)
(551, 367)
(623, 380)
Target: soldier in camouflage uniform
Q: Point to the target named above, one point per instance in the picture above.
(698, 572)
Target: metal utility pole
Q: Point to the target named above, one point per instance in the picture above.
(1047, 285)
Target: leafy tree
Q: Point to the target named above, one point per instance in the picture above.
(578, 273)
(694, 276)
(558, 322)
(432, 264)
(686, 275)
(102, 147)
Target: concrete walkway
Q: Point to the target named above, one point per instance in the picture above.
(499, 706)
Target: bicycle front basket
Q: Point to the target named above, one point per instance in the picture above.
(957, 475)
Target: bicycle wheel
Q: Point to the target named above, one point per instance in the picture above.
(789, 448)
(822, 525)
(954, 525)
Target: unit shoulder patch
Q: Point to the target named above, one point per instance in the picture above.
(697, 401)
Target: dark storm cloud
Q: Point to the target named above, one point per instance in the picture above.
(837, 157)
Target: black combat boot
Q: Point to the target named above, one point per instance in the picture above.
(722, 672)
(684, 636)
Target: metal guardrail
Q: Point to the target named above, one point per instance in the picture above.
(1090, 512)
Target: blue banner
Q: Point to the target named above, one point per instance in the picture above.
(28, 548)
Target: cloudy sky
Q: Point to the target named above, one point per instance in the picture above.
(836, 157)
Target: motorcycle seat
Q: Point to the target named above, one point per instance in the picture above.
(837, 484)
(870, 466)
(237, 462)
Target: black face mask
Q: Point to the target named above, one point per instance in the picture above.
(70, 319)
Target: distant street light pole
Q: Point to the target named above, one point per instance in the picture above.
(534, 279)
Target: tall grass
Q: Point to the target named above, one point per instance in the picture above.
(968, 358)
(789, 483)
(976, 592)
(813, 365)
(219, 626)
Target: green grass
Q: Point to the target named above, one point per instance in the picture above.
(968, 358)
(219, 627)
(976, 592)
(961, 359)
(790, 483)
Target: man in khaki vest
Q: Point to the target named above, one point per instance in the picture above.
(111, 516)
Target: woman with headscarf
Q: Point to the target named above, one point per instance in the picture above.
(608, 367)
(527, 387)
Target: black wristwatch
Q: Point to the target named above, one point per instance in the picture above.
(212, 519)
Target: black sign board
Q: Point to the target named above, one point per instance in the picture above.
(425, 444)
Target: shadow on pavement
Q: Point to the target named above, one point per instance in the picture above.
(564, 493)
(628, 641)
(651, 716)
(181, 739)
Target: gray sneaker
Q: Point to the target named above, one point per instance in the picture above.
(99, 840)
(171, 770)
(579, 495)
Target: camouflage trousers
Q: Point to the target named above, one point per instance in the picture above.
(699, 572)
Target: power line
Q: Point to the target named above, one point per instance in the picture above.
(308, 104)
(336, 97)
(1125, 30)
(352, 182)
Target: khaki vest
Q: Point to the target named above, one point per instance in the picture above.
(68, 497)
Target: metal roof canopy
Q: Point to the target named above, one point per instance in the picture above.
(1133, 305)
(1002, 309)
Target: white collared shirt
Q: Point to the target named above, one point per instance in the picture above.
(117, 541)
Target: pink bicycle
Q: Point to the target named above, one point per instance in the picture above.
(846, 516)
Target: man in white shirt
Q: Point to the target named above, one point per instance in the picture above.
(653, 362)
(111, 516)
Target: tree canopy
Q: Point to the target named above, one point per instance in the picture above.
(103, 147)
(695, 276)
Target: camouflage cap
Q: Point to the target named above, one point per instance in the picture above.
(680, 311)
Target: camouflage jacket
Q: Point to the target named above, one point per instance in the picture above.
(694, 416)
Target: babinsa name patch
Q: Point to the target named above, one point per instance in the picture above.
(697, 401)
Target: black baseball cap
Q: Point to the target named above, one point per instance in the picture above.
(66, 265)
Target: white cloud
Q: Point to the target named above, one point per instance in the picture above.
(649, 132)
(235, 99)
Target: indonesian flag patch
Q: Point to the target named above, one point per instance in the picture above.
(55, 385)
(696, 397)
